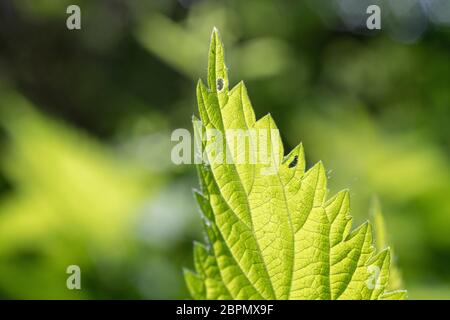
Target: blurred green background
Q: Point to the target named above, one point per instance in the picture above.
(86, 118)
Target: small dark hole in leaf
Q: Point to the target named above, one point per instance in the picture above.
(294, 162)
(219, 84)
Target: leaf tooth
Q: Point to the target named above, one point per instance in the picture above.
(293, 169)
(198, 194)
(249, 113)
(206, 265)
(241, 279)
(209, 109)
(238, 112)
(298, 152)
(199, 145)
(195, 284)
(217, 70)
(344, 259)
(308, 196)
(319, 174)
(362, 228)
(204, 205)
(237, 88)
(201, 101)
(194, 118)
(380, 256)
(348, 226)
(200, 254)
(337, 209)
(273, 137)
(340, 201)
(310, 278)
(381, 262)
(356, 286)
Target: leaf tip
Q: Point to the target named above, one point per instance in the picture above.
(217, 71)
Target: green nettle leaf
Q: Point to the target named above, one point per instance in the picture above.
(395, 275)
(271, 231)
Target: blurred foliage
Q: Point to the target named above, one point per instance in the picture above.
(70, 203)
(86, 117)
